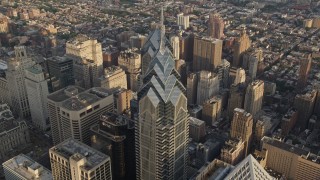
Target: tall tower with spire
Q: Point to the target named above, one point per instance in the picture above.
(162, 129)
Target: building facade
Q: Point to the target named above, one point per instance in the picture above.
(73, 160)
(254, 97)
(114, 78)
(208, 86)
(215, 26)
(241, 45)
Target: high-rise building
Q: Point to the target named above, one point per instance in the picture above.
(305, 66)
(162, 131)
(183, 20)
(208, 86)
(215, 26)
(4, 92)
(233, 151)
(88, 61)
(137, 41)
(186, 46)
(207, 53)
(60, 70)
(73, 160)
(114, 136)
(242, 126)
(72, 111)
(291, 161)
(22, 167)
(249, 168)
(288, 121)
(236, 76)
(16, 85)
(130, 62)
(304, 103)
(114, 78)
(85, 73)
(216, 169)
(14, 132)
(122, 98)
(83, 47)
(223, 73)
(197, 129)
(192, 85)
(110, 56)
(241, 44)
(175, 43)
(236, 98)
(212, 109)
(316, 105)
(37, 91)
(254, 97)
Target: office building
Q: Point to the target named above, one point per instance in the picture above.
(16, 85)
(122, 98)
(288, 121)
(254, 97)
(291, 161)
(262, 127)
(251, 60)
(304, 103)
(236, 76)
(183, 21)
(186, 46)
(22, 167)
(241, 45)
(197, 129)
(216, 170)
(73, 160)
(37, 91)
(83, 47)
(236, 98)
(207, 53)
(85, 73)
(223, 73)
(72, 111)
(114, 136)
(175, 43)
(114, 78)
(212, 110)
(162, 131)
(215, 26)
(305, 66)
(13, 133)
(208, 86)
(233, 151)
(110, 56)
(137, 41)
(249, 168)
(242, 126)
(130, 62)
(60, 71)
(316, 105)
(192, 85)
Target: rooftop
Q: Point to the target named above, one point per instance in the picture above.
(35, 69)
(28, 168)
(71, 148)
(195, 121)
(65, 93)
(3, 65)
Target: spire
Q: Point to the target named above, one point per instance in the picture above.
(161, 18)
(162, 34)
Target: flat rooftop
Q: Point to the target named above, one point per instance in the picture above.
(3, 65)
(64, 94)
(71, 148)
(59, 59)
(26, 167)
(195, 121)
(284, 146)
(35, 69)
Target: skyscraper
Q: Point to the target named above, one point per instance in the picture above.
(305, 66)
(236, 98)
(215, 26)
(73, 111)
(304, 103)
(236, 76)
(114, 136)
(212, 109)
(175, 43)
(183, 20)
(37, 91)
(73, 160)
(254, 96)
(208, 86)
(162, 130)
(60, 70)
(192, 84)
(207, 53)
(16, 85)
(242, 44)
(88, 60)
(241, 126)
(114, 78)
